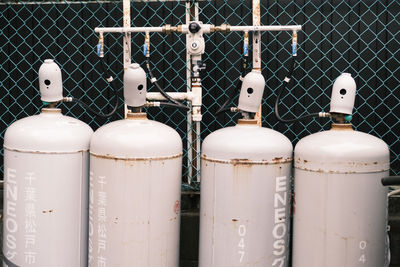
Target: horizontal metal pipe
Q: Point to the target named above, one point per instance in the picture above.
(129, 29)
(265, 28)
(175, 95)
(229, 28)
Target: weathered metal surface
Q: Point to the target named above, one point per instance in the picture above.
(44, 152)
(340, 211)
(135, 183)
(342, 151)
(277, 160)
(245, 196)
(134, 213)
(137, 159)
(137, 138)
(339, 220)
(256, 18)
(352, 167)
(48, 132)
(247, 141)
(46, 185)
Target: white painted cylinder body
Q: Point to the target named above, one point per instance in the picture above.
(135, 185)
(340, 212)
(245, 197)
(46, 191)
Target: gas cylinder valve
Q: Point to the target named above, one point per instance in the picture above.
(343, 97)
(50, 82)
(135, 86)
(251, 92)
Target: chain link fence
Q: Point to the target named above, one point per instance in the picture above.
(360, 37)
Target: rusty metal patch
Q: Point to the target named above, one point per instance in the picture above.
(303, 164)
(274, 161)
(134, 159)
(44, 152)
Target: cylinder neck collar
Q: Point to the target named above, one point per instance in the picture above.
(51, 110)
(342, 127)
(136, 116)
(247, 122)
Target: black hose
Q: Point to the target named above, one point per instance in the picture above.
(163, 93)
(173, 105)
(222, 109)
(283, 87)
(234, 92)
(391, 181)
(97, 113)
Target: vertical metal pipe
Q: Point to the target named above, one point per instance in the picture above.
(193, 128)
(257, 48)
(126, 6)
(198, 150)
(189, 113)
(197, 123)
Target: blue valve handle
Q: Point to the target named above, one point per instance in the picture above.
(245, 49)
(98, 49)
(348, 118)
(144, 49)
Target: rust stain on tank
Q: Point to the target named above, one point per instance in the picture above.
(45, 152)
(116, 159)
(300, 164)
(47, 211)
(279, 160)
(345, 238)
(234, 220)
(341, 172)
(243, 162)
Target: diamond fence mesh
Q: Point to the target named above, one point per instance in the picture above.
(360, 37)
